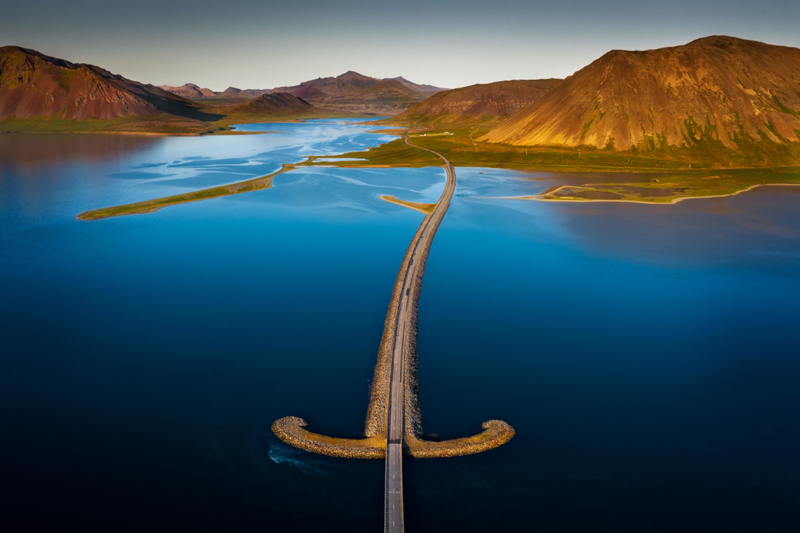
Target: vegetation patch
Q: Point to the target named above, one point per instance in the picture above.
(673, 188)
(151, 206)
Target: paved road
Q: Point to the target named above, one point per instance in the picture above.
(393, 512)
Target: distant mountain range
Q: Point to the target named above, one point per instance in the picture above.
(712, 90)
(483, 104)
(43, 93)
(350, 91)
(715, 94)
(190, 90)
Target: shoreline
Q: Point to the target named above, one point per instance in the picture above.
(151, 206)
(673, 201)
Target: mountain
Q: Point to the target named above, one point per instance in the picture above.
(713, 90)
(307, 92)
(233, 92)
(354, 92)
(33, 85)
(190, 90)
(382, 91)
(345, 84)
(276, 106)
(416, 87)
(386, 97)
(272, 104)
(480, 104)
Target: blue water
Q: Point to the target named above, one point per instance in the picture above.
(647, 356)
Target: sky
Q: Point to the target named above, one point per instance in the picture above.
(259, 44)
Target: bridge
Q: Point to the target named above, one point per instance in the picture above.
(393, 511)
(393, 427)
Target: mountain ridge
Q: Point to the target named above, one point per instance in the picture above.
(33, 84)
(478, 104)
(714, 89)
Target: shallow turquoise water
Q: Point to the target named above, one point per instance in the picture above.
(646, 355)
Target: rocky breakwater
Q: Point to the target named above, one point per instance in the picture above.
(292, 429)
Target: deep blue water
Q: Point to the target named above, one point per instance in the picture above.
(648, 356)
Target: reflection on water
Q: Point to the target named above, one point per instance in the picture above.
(646, 355)
(28, 153)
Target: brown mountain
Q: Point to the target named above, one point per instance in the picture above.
(417, 87)
(347, 83)
(713, 89)
(477, 104)
(233, 92)
(354, 92)
(387, 97)
(307, 92)
(272, 104)
(384, 91)
(190, 90)
(33, 85)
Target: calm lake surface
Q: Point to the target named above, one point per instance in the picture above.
(647, 356)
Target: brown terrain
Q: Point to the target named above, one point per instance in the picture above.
(233, 92)
(350, 92)
(306, 92)
(356, 93)
(345, 84)
(713, 89)
(41, 93)
(388, 97)
(417, 87)
(33, 85)
(481, 104)
(273, 104)
(190, 90)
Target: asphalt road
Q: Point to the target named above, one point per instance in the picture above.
(393, 512)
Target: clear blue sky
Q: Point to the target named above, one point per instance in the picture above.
(451, 43)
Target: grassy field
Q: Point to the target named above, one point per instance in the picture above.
(695, 171)
(672, 188)
(462, 149)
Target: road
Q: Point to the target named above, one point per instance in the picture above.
(419, 248)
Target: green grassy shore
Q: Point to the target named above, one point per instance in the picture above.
(686, 172)
(151, 206)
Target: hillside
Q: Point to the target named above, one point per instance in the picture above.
(307, 92)
(273, 104)
(345, 84)
(417, 87)
(383, 92)
(276, 107)
(36, 86)
(233, 92)
(716, 91)
(42, 93)
(481, 104)
(356, 93)
(189, 90)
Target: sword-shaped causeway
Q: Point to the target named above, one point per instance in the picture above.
(393, 425)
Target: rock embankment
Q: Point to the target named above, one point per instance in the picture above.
(495, 433)
(291, 429)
